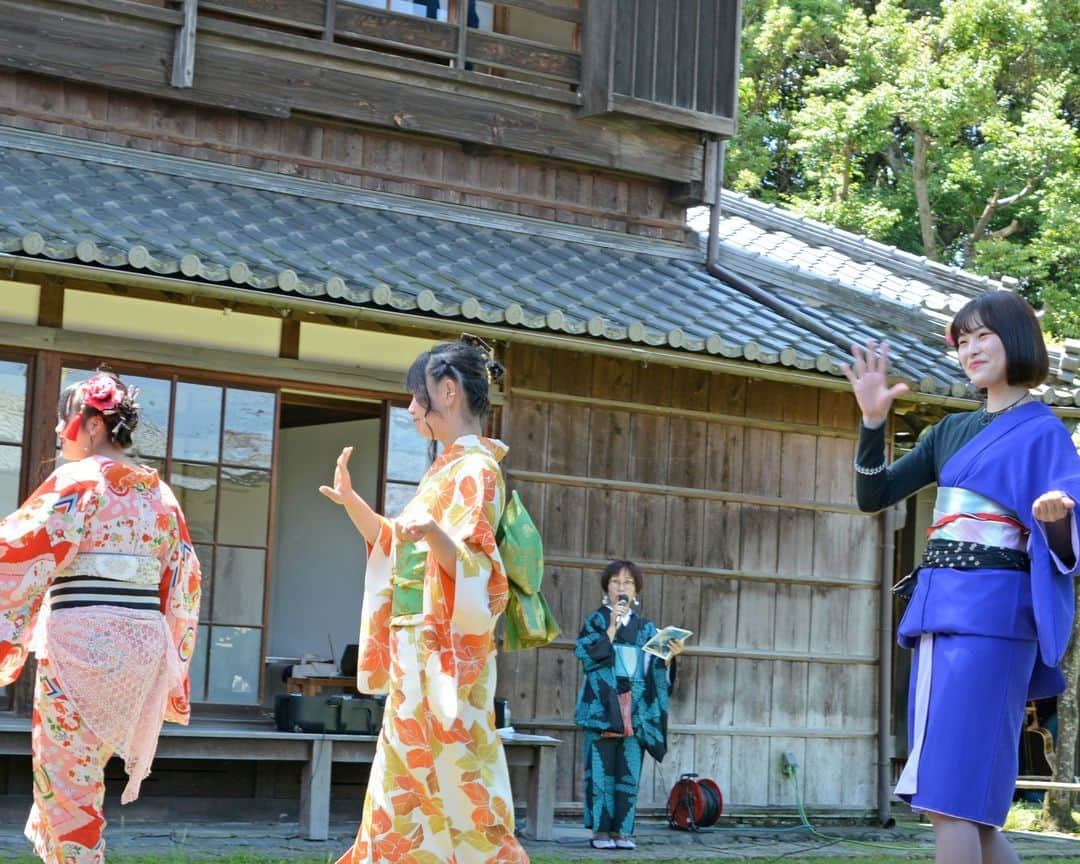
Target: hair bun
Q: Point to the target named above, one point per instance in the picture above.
(495, 370)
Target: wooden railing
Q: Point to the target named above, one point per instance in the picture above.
(451, 42)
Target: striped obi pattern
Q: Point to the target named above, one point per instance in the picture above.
(78, 592)
(97, 579)
(963, 516)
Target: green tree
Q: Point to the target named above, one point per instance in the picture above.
(950, 129)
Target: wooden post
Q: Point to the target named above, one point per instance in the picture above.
(463, 31)
(597, 56)
(315, 791)
(540, 795)
(329, 21)
(183, 71)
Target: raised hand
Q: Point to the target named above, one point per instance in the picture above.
(869, 381)
(342, 490)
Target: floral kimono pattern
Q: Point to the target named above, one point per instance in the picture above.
(107, 676)
(439, 790)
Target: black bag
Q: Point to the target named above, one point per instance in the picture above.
(348, 660)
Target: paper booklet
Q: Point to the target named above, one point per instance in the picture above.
(660, 644)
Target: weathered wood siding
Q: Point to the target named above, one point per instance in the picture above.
(362, 157)
(737, 498)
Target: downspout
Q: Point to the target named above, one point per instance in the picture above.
(888, 522)
(744, 286)
(885, 664)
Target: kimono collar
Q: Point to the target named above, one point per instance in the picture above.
(470, 443)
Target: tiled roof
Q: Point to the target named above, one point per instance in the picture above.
(867, 289)
(78, 201)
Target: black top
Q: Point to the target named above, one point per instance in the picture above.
(919, 468)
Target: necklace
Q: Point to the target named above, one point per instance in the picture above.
(989, 416)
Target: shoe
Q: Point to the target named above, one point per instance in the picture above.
(602, 843)
(625, 843)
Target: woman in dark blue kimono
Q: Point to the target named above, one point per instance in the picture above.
(622, 707)
(992, 605)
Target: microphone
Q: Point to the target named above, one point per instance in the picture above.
(625, 600)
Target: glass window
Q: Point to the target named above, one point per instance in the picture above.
(234, 665)
(217, 456)
(406, 463)
(197, 422)
(249, 428)
(245, 507)
(238, 593)
(196, 489)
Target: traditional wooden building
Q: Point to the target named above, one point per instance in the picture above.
(262, 210)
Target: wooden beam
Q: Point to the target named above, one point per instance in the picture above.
(508, 52)
(597, 56)
(683, 492)
(547, 9)
(183, 69)
(51, 304)
(684, 413)
(290, 338)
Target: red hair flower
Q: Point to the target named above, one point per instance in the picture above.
(949, 337)
(102, 392)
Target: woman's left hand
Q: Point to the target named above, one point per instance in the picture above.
(675, 646)
(415, 529)
(1052, 506)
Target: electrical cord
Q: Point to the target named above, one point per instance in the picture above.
(792, 775)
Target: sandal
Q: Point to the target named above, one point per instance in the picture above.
(602, 843)
(625, 843)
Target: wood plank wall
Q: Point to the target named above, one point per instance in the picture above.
(737, 498)
(351, 155)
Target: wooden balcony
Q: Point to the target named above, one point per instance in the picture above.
(623, 84)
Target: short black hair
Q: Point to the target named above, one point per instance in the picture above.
(1011, 317)
(616, 567)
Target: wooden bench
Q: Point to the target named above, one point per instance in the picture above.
(209, 739)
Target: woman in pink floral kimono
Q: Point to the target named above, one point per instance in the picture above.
(99, 579)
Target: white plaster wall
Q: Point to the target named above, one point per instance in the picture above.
(319, 559)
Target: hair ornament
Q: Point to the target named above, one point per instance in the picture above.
(949, 337)
(102, 392)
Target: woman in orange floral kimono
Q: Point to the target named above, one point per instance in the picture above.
(439, 790)
(98, 578)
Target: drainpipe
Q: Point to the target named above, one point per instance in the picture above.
(744, 286)
(885, 657)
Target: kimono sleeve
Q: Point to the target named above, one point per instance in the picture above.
(181, 588)
(593, 647)
(480, 588)
(373, 653)
(1051, 464)
(36, 541)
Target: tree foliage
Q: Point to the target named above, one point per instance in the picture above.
(950, 129)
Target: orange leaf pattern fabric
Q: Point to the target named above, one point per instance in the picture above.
(439, 789)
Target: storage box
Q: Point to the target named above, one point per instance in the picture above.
(331, 715)
(296, 713)
(359, 715)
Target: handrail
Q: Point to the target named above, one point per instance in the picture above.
(436, 40)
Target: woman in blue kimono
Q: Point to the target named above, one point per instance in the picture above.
(622, 706)
(992, 605)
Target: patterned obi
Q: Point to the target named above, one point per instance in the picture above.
(103, 579)
(971, 532)
(137, 569)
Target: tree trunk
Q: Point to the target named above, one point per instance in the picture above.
(1057, 805)
(921, 177)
